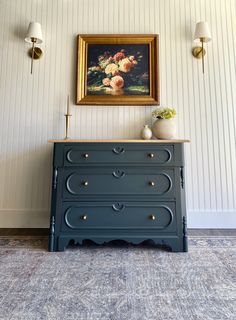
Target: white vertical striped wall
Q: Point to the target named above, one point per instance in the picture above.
(32, 106)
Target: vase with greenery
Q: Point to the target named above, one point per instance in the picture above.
(164, 127)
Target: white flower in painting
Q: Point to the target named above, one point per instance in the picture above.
(111, 68)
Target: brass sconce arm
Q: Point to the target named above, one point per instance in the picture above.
(199, 53)
(202, 34)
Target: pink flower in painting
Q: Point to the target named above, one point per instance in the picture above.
(106, 82)
(118, 56)
(131, 58)
(117, 82)
(125, 65)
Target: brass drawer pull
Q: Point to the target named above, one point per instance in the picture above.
(86, 155)
(152, 217)
(151, 155)
(151, 183)
(84, 217)
(85, 183)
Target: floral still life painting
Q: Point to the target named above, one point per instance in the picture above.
(118, 70)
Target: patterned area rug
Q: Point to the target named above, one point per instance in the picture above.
(117, 282)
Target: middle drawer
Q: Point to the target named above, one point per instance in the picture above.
(118, 181)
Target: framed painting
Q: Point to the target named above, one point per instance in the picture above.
(118, 70)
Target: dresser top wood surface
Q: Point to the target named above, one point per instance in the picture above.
(116, 140)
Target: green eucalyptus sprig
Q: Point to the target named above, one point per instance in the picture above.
(164, 113)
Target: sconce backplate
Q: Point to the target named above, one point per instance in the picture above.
(37, 53)
(197, 52)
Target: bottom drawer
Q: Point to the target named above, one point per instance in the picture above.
(127, 215)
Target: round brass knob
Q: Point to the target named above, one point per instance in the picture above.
(86, 155)
(151, 183)
(151, 155)
(84, 217)
(85, 183)
(152, 217)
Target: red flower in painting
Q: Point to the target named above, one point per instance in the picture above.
(118, 56)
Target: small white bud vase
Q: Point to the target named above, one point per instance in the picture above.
(146, 133)
(164, 128)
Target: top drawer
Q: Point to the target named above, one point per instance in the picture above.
(84, 154)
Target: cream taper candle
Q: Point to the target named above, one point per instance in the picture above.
(68, 104)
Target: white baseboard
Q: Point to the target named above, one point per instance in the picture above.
(211, 219)
(39, 218)
(27, 218)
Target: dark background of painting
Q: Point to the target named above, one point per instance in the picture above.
(139, 75)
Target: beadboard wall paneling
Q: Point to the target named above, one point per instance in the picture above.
(33, 106)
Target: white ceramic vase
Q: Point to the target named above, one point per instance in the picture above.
(164, 128)
(146, 133)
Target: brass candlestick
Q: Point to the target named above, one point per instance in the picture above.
(67, 115)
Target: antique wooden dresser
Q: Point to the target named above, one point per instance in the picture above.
(130, 190)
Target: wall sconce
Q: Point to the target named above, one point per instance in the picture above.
(34, 35)
(202, 34)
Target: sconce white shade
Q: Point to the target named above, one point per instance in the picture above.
(202, 31)
(34, 31)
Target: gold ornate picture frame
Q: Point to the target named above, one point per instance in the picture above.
(118, 70)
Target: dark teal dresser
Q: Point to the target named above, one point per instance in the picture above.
(130, 190)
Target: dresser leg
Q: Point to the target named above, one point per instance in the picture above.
(51, 244)
(185, 235)
(62, 243)
(176, 247)
(51, 236)
(185, 244)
